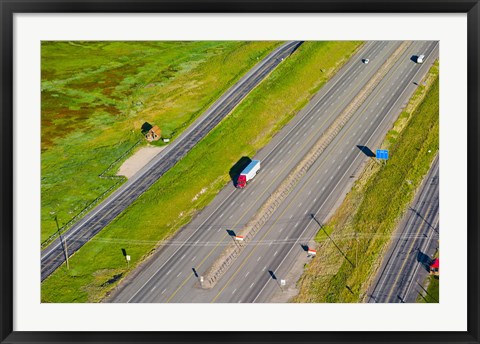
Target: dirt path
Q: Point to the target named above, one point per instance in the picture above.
(133, 164)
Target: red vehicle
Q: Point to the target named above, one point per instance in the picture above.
(435, 267)
(248, 173)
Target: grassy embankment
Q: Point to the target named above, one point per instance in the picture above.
(432, 294)
(191, 184)
(97, 95)
(375, 204)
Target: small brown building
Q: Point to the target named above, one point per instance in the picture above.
(153, 134)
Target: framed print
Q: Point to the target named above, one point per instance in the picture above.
(239, 171)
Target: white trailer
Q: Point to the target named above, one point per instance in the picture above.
(248, 173)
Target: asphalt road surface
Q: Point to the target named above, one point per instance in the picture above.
(406, 266)
(172, 274)
(54, 255)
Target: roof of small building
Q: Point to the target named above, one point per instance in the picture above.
(155, 129)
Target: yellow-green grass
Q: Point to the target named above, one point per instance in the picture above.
(97, 95)
(432, 294)
(372, 209)
(195, 180)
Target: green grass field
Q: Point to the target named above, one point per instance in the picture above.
(432, 294)
(97, 95)
(374, 206)
(195, 180)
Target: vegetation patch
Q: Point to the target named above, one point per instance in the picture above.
(360, 230)
(97, 95)
(432, 294)
(194, 181)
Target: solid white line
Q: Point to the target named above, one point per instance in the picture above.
(332, 190)
(181, 247)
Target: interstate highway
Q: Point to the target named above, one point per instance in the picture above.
(296, 222)
(53, 256)
(405, 267)
(172, 274)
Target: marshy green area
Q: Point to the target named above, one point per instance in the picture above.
(344, 267)
(192, 183)
(97, 95)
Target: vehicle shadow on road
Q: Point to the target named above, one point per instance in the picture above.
(238, 168)
(424, 260)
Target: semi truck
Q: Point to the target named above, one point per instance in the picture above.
(248, 173)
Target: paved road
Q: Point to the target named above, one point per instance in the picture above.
(53, 256)
(172, 274)
(405, 267)
(255, 276)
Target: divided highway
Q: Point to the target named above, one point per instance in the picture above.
(256, 274)
(172, 274)
(53, 256)
(400, 278)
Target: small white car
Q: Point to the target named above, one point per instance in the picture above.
(366, 61)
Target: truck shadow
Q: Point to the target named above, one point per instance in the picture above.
(424, 260)
(414, 58)
(238, 168)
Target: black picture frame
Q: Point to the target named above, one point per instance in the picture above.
(11, 7)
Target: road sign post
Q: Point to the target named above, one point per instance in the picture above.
(382, 154)
(127, 257)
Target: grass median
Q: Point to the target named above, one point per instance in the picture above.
(361, 228)
(193, 182)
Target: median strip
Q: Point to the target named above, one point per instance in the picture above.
(233, 250)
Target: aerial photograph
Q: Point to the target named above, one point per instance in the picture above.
(240, 172)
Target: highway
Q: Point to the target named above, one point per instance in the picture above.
(405, 267)
(53, 256)
(255, 276)
(172, 274)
